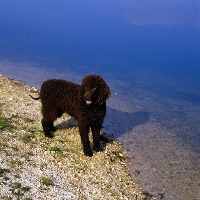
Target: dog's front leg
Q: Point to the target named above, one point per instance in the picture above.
(96, 127)
(84, 131)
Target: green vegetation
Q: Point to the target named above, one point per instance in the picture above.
(26, 138)
(2, 123)
(6, 198)
(18, 190)
(3, 171)
(54, 149)
(14, 163)
(27, 120)
(46, 181)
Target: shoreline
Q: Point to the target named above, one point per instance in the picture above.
(27, 156)
(162, 163)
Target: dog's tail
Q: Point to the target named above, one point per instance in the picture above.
(35, 98)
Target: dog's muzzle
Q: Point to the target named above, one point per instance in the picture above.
(88, 95)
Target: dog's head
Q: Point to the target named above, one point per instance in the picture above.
(94, 90)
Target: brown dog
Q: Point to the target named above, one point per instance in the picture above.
(86, 103)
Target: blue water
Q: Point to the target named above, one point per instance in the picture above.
(147, 51)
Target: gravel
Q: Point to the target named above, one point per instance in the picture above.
(35, 167)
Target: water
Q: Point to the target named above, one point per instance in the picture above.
(148, 53)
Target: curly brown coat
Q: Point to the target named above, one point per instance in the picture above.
(86, 103)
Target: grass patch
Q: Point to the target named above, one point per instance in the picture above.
(46, 181)
(54, 149)
(25, 189)
(6, 198)
(18, 190)
(26, 138)
(3, 171)
(27, 120)
(2, 123)
(14, 163)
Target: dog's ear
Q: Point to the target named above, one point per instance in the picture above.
(104, 93)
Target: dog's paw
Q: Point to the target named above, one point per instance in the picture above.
(97, 148)
(49, 134)
(88, 153)
(52, 128)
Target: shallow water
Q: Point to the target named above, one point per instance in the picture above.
(149, 56)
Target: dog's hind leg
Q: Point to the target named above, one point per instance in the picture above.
(59, 112)
(48, 128)
(47, 122)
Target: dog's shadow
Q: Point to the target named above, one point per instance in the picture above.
(116, 123)
(70, 123)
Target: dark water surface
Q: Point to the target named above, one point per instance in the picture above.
(149, 54)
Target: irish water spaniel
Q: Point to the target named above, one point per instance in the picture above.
(86, 103)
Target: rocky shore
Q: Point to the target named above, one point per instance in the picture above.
(35, 167)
